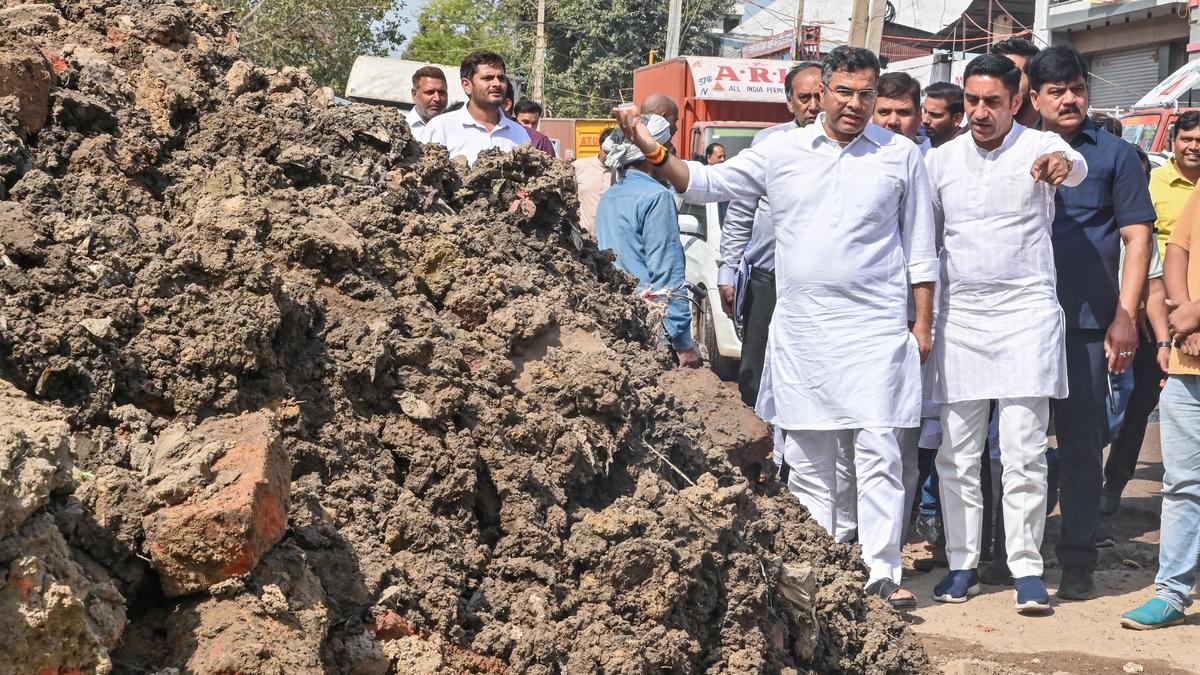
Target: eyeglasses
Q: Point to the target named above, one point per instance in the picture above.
(845, 94)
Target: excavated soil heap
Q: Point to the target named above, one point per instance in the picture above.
(283, 392)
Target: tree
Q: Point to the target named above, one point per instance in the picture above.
(448, 30)
(323, 36)
(592, 46)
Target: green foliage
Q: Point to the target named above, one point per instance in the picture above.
(323, 36)
(592, 46)
(448, 30)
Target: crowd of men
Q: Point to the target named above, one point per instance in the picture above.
(928, 285)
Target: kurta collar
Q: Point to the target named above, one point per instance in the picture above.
(1009, 139)
(873, 133)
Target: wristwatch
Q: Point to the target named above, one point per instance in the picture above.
(1067, 158)
(1165, 344)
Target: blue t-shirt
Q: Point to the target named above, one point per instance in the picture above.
(1087, 223)
(638, 221)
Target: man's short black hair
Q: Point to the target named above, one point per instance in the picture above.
(997, 66)
(428, 71)
(1015, 46)
(527, 106)
(847, 59)
(949, 92)
(900, 86)
(479, 58)
(606, 133)
(509, 92)
(711, 147)
(1059, 63)
(791, 75)
(1186, 122)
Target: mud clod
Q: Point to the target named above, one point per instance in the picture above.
(299, 395)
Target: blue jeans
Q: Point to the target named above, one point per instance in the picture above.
(1180, 536)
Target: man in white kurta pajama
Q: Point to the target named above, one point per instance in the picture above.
(854, 229)
(1000, 332)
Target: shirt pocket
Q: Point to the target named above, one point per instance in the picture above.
(876, 199)
(1011, 196)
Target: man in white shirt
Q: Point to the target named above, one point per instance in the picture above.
(1000, 331)
(429, 95)
(479, 125)
(854, 232)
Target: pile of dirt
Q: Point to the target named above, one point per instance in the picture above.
(285, 392)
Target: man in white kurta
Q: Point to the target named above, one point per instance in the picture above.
(854, 229)
(999, 331)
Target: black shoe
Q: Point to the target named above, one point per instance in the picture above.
(1103, 537)
(930, 529)
(1076, 584)
(996, 574)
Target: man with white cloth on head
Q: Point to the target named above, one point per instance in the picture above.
(1000, 331)
(853, 232)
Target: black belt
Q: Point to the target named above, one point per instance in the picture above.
(761, 275)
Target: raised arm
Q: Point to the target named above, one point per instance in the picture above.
(743, 177)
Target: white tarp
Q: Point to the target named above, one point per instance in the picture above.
(375, 78)
(1169, 90)
(738, 79)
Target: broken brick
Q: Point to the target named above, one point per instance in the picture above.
(232, 478)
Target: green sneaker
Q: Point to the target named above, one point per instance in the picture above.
(1155, 613)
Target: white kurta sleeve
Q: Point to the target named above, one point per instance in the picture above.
(933, 160)
(742, 178)
(1052, 142)
(917, 229)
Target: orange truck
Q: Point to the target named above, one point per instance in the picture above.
(720, 100)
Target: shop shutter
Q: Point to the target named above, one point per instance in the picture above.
(1119, 79)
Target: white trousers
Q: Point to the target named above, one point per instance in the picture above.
(1023, 458)
(846, 522)
(813, 479)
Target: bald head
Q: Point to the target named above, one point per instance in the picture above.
(662, 105)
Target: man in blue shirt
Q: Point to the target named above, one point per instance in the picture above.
(1090, 222)
(638, 221)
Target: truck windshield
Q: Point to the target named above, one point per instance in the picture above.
(735, 139)
(1140, 129)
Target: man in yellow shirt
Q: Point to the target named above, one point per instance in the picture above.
(1179, 543)
(1172, 183)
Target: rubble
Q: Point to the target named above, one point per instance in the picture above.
(239, 299)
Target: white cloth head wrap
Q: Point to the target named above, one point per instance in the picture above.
(622, 152)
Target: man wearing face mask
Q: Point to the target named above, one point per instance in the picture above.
(638, 221)
(847, 259)
(999, 327)
(1090, 221)
(479, 125)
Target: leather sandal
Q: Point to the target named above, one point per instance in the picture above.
(886, 588)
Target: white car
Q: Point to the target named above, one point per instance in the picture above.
(719, 338)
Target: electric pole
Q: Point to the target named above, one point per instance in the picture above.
(798, 46)
(875, 25)
(858, 23)
(674, 10)
(539, 55)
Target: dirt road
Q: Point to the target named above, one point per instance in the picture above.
(985, 636)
